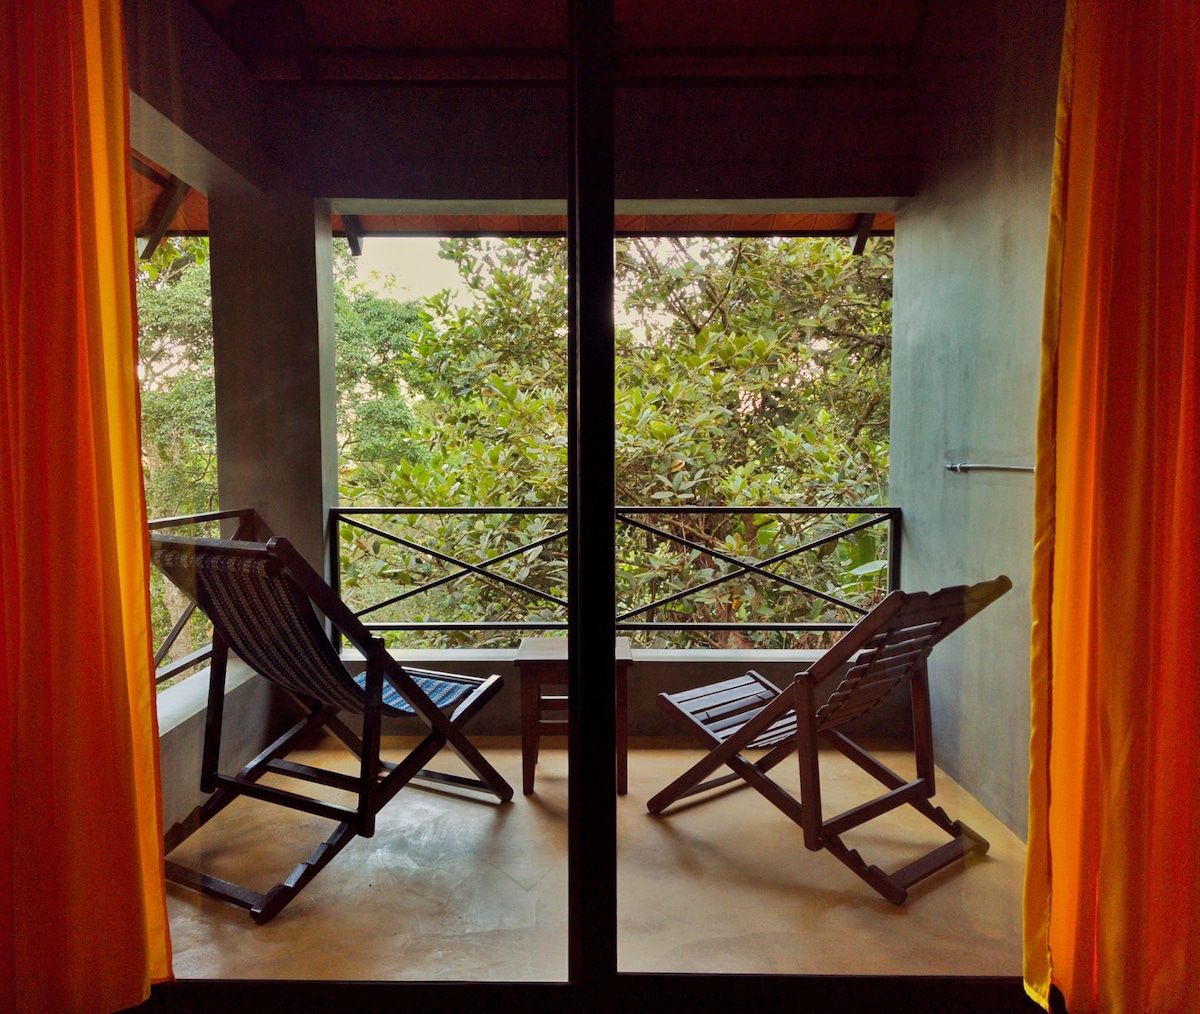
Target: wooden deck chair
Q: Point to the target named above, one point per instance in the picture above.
(885, 650)
(261, 598)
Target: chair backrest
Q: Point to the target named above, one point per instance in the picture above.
(882, 652)
(261, 612)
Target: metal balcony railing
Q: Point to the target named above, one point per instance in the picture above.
(248, 525)
(679, 568)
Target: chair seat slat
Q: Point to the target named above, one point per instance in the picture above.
(728, 704)
(861, 694)
(733, 720)
(717, 697)
(875, 674)
(691, 700)
(782, 730)
(906, 639)
(882, 659)
(785, 724)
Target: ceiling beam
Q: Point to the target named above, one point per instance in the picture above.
(194, 109)
(354, 234)
(862, 232)
(174, 193)
(152, 174)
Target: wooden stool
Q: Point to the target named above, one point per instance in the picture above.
(542, 668)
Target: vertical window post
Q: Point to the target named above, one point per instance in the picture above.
(591, 582)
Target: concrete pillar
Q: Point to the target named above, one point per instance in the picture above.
(272, 305)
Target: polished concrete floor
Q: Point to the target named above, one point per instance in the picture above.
(457, 888)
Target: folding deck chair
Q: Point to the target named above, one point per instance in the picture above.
(261, 598)
(886, 649)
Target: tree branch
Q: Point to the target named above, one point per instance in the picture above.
(719, 305)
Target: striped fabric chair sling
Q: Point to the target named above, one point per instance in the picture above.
(260, 598)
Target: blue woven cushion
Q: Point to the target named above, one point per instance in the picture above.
(443, 693)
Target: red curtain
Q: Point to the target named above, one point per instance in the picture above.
(82, 908)
(1112, 901)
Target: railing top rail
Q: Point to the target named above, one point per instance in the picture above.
(339, 511)
(195, 519)
(758, 509)
(173, 669)
(620, 509)
(419, 625)
(738, 625)
(248, 523)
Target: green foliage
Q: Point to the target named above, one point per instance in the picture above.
(179, 442)
(489, 378)
(526, 551)
(175, 347)
(751, 371)
(175, 352)
(374, 335)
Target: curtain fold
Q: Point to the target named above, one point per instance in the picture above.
(82, 902)
(1112, 895)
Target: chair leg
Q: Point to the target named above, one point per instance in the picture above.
(689, 783)
(221, 797)
(488, 776)
(873, 875)
(806, 812)
(278, 897)
(749, 773)
(756, 779)
(448, 730)
(531, 704)
(264, 907)
(182, 830)
(458, 742)
(722, 753)
(894, 887)
(373, 793)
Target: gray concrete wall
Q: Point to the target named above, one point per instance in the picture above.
(255, 713)
(272, 305)
(970, 259)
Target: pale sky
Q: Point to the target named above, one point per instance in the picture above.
(413, 260)
(419, 271)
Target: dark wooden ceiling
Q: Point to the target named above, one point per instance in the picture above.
(524, 41)
(839, 44)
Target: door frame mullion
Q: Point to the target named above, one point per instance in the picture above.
(592, 815)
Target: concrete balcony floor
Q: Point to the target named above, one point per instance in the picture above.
(460, 889)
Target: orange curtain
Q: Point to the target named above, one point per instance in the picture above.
(82, 908)
(1112, 899)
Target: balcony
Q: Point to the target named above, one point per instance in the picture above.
(454, 889)
(509, 566)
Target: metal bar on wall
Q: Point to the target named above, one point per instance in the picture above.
(969, 466)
